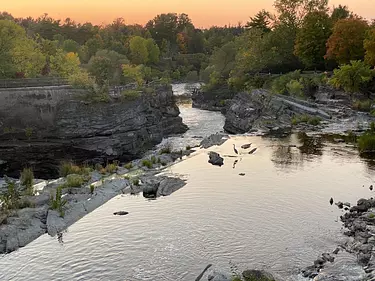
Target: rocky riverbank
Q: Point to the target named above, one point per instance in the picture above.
(359, 225)
(259, 111)
(40, 127)
(82, 193)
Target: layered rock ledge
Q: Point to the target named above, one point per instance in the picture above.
(40, 127)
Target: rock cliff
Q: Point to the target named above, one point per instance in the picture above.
(40, 127)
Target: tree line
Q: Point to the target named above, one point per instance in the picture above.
(302, 34)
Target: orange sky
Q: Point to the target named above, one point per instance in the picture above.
(203, 12)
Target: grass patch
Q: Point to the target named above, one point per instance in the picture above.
(147, 163)
(11, 197)
(136, 182)
(366, 142)
(128, 166)
(27, 180)
(364, 105)
(166, 149)
(130, 95)
(154, 160)
(92, 189)
(57, 203)
(68, 168)
(111, 168)
(74, 181)
(312, 120)
(371, 216)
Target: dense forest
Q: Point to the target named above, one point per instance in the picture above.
(302, 35)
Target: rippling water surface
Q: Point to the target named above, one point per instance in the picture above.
(276, 216)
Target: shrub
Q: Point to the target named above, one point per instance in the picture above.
(362, 105)
(192, 76)
(128, 166)
(295, 88)
(130, 95)
(136, 182)
(73, 180)
(176, 75)
(147, 163)
(351, 77)
(153, 160)
(111, 168)
(98, 167)
(315, 121)
(92, 189)
(27, 180)
(68, 168)
(11, 196)
(371, 216)
(81, 80)
(279, 85)
(57, 203)
(188, 147)
(366, 142)
(166, 149)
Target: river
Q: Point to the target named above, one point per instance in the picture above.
(277, 216)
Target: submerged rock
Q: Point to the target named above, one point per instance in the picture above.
(214, 275)
(215, 159)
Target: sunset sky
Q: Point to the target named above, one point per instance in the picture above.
(204, 13)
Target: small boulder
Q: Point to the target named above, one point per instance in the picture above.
(120, 213)
(340, 205)
(215, 159)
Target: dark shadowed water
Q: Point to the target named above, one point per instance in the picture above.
(277, 216)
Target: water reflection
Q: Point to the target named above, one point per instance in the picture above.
(310, 145)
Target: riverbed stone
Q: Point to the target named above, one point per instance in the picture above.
(215, 159)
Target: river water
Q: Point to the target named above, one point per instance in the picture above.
(276, 217)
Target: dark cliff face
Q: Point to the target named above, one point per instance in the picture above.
(42, 131)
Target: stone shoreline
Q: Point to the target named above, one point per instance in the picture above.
(22, 226)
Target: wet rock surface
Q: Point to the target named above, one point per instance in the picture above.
(215, 159)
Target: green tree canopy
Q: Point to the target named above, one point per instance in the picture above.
(292, 12)
(311, 39)
(369, 45)
(138, 50)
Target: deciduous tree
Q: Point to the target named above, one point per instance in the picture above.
(311, 39)
(346, 42)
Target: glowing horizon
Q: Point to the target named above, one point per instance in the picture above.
(204, 13)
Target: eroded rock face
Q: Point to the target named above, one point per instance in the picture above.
(43, 127)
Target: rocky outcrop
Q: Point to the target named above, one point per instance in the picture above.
(260, 110)
(212, 99)
(41, 127)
